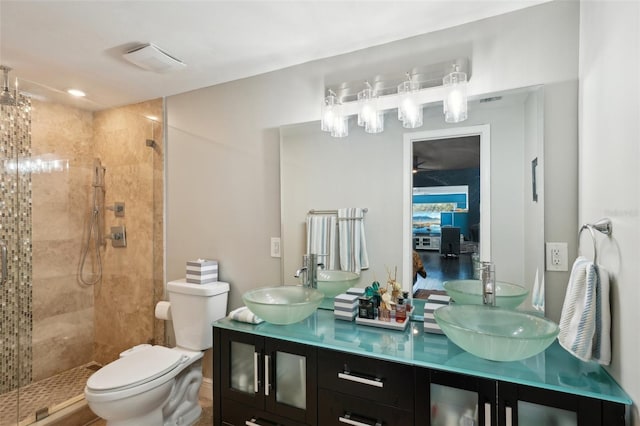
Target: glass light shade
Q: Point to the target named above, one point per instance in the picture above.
(340, 127)
(368, 115)
(367, 104)
(409, 110)
(376, 123)
(455, 98)
(327, 113)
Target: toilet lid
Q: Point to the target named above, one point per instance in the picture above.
(134, 369)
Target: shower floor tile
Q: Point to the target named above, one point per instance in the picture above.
(52, 394)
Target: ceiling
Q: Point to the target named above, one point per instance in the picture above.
(56, 45)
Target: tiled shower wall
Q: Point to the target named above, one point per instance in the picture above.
(132, 281)
(63, 323)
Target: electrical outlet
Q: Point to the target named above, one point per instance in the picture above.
(275, 246)
(557, 257)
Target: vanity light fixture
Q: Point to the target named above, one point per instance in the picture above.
(340, 127)
(409, 110)
(333, 118)
(369, 115)
(328, 111)
(455, 98)
(407, 92)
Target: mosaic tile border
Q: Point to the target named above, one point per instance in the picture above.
(16, 323)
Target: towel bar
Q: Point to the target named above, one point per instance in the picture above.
(604, 226)
(313, 211)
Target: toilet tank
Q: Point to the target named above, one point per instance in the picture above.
(193, 308)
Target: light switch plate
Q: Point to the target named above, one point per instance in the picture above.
(275, 246)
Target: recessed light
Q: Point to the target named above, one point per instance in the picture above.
(77, 93)
(152, 117)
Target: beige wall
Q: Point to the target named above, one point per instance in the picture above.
(126, 297)
(62, 308)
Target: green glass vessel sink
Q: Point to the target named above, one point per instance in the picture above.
(283, 304)
(333, 283)
(469, 292)
(495, 333)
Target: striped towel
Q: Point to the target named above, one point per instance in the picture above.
(585, 322)
(243, 314)
(321, 239)
(352, 241)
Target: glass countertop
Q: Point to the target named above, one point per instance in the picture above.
(554, 369)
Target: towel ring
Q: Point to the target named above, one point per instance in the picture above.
(604, 226)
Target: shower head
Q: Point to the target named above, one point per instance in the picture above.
(6, 98)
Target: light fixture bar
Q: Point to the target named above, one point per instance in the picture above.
(406, 94)
(425, 77)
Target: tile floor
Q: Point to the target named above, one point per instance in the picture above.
(52, 393)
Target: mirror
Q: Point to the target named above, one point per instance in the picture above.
(374, 171)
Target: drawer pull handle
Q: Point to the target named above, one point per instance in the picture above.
(509, 414)
(254, 422)
(267, 382)
(348, 420)
(487, 413)
(351, 377)
(256, 381)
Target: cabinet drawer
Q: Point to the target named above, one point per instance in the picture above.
(237, 414)
(339, 409)
(382, 381)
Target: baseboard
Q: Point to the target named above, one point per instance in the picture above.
(206, 389)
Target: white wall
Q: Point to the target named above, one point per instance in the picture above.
(222, 174)
(609, 160)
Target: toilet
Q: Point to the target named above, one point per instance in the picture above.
(155, 385)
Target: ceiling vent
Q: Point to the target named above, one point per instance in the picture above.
(151, 58)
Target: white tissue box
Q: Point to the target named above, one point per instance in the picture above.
(202, 271)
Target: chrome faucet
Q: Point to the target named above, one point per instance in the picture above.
(310, 270)
(488, 277)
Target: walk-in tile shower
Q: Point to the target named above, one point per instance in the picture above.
(56, 330)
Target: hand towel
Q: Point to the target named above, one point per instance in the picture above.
(243, 314)
(321, 239)
(585, 322)
(351, 240)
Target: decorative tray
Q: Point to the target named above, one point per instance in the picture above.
(392, 325)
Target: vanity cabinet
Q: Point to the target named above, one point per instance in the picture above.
(528, 406)
(443, 398)
(363, 391)
(331, 372)
(263, 381)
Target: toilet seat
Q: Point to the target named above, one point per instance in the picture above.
(135, 369)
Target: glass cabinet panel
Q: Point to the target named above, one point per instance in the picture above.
(242, 367)
(453, 407)
(530, 414)
(291, 380)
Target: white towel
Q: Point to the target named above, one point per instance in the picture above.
(352, 241)
(585, 322)
(321, 239)
(243, 314)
